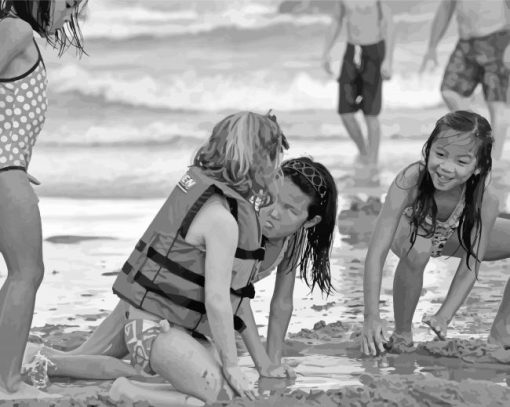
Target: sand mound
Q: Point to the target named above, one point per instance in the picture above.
(395, 390)
(469, 350)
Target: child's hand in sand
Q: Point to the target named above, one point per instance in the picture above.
(438, 324)
(372, 336)
(239, 382)
(279, 371)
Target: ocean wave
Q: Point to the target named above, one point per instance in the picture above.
(256, 90)
(179, 135)
(124, 22)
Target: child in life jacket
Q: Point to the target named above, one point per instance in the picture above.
(193, 267)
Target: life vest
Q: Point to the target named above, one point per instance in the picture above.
(165, 275)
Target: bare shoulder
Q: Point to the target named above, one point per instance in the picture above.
(15, 30)
(408, 177)
(215, 215)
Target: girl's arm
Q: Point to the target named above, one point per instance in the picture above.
(15, 37)
(465, 278)
(220, 234)
(380, 243)
(220, 237)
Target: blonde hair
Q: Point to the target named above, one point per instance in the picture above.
(245, 151)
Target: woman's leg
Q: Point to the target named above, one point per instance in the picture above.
(21, 247)
(497, 249)
(108, 338)
(99, 357)
(90, 367)
(500, 329)
(190, 366)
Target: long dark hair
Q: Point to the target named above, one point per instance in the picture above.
(313, 245)
(65, 37)
(424, 204)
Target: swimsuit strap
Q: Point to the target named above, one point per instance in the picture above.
(454, 217)
(39, 53)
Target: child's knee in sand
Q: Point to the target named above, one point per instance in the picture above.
(188, 364)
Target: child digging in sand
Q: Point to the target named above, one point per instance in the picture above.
(441, 206)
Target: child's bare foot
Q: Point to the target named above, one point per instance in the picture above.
(437, 324)
(400, 343)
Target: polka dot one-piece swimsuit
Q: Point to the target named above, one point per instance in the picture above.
(23, 104)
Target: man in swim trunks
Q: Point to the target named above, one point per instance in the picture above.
(481, 56)
(367, 62)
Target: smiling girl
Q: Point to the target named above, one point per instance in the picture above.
(438, 207)
(23, 105)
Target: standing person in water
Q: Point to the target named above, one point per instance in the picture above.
(298, 231)
(481, 56)
(441, 206)
(366, 63)
(23, 107)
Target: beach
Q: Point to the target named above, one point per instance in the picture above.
(123, 124)
(87, 240)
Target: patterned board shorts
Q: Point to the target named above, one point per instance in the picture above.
(139, 334)
(479, 60)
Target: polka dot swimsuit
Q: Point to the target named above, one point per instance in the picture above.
(23, 104)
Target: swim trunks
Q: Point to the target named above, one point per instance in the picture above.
(360, 81)
(23, 104)
(479, 60)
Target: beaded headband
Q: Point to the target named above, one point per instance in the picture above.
(311, 174)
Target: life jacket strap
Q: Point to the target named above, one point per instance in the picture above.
(257, 254)
(244, 292)
(185, 302)
(186, 222)
(175, 268)
(186, 274)
(193, 305)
